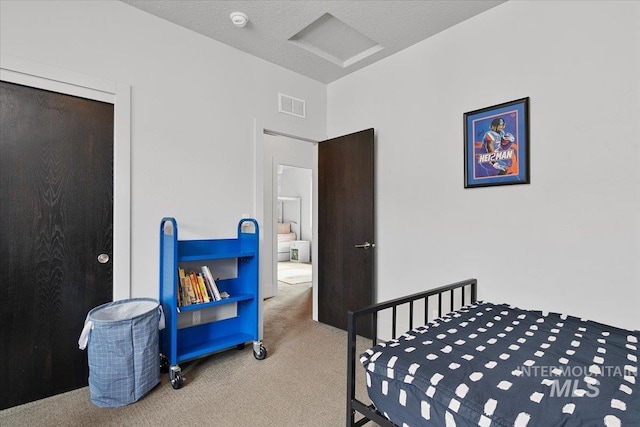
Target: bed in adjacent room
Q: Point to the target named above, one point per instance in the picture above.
(488, 364)
(288, 216)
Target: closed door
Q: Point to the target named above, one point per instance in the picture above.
(345, 228)
(56, 223)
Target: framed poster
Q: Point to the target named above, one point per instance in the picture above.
(496, 145)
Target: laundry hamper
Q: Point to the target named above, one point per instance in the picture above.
(123, 350)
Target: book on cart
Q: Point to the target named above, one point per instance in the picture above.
(204, 297)
(195, 286)
(209, 278)
(189, 296)
(208, 287)
(207, 295)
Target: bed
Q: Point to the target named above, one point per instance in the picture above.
(285, 236)
(486, 364)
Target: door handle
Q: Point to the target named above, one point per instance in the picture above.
(366, 245)
(103, 258)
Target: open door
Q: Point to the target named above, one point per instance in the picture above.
(345, 228)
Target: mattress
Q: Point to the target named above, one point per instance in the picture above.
(497, 365)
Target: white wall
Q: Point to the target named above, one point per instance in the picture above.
(567, 242)
(195, 105)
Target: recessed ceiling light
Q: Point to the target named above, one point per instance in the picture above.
(239, 19)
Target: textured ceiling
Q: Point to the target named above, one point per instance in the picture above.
(324, 40)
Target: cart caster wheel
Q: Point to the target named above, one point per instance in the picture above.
(241, 346)
(262, 354)
(175, 377)
(177, 381)
(164, 364)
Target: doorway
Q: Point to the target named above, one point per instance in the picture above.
(286, 165)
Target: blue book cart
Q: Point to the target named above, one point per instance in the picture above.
(197, 330)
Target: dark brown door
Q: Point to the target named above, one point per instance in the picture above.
(56, 217)
(345, 220)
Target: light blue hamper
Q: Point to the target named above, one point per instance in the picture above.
(123, 350)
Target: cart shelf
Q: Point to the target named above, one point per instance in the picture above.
(236, 298)
(197, 350)
(197, 250)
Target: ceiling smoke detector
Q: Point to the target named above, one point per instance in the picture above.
(239, 19)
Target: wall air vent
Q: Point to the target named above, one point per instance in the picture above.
(290, 105)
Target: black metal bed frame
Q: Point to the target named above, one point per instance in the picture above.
(368, 411)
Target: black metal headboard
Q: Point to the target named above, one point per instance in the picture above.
(463, 288)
